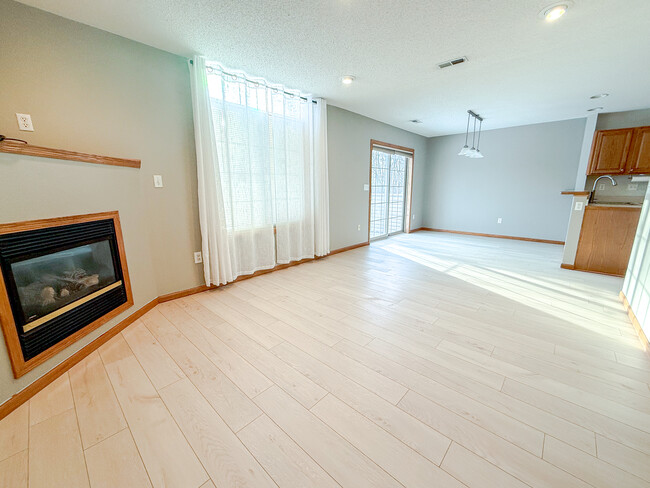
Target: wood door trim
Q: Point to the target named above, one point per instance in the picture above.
(48, 152)
(409, 189)
(576, 193)
(30, 390)
(18, 363)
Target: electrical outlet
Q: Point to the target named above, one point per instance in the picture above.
(157, 181)
(499, 220)
(633, 186)
(198, 257)
(359, 227)
(579, 206)
(366, 187)
(25, 122)
(412, 216)
(601, 186)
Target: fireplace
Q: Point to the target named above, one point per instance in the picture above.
(59, 280)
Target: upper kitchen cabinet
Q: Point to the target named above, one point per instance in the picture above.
(640, 158)
(620, 151)
(610, 152)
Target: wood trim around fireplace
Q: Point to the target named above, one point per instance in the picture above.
(18, 363)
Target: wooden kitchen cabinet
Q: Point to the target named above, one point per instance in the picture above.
(639, 161)
(620, 151)
(606, 239)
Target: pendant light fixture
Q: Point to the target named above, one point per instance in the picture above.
(477, 154)
(474, 152)
(465, 149)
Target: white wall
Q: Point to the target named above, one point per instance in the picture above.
(349, 136)
(520, 179)
(636, 285)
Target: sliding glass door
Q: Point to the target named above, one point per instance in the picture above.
(388, 177)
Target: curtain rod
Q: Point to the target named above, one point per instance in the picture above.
(283, 91)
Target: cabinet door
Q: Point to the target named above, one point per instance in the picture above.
(610, 152)
(640, 159)
(606, 239)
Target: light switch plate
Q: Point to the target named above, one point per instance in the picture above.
(601, 186)
(366, 187)
(499, 220)
(25, 122)
(579, 206)
(157, 181)
(633, 186)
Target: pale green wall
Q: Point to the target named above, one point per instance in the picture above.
(348, 144)
(91, 91)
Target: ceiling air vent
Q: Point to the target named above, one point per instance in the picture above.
(452, 62)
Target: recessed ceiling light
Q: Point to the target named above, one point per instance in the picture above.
(595, 109)
(347, 79)
(555, 11)
(600, 95)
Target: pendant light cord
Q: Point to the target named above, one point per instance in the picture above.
(467, 130)
(474, 134)
(478, 142)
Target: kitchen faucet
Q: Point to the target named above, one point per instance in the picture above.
(593, 190)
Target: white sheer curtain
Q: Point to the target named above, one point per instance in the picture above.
(262, 171)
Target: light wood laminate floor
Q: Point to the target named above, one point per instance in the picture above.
(425, 360)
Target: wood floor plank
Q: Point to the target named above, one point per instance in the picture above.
(588, 468)
(238, 320)
(236, 368)
(517, 462)
(98, 411)
(428, 442)
(381, 385)
(168, 458)
(600, 424)
(160, 368)
(115, 461)
(623, 457)
(542, 421)
(474, 471)
(296, 384)
(225, 458)
(230, 402)
(282, 458)
(14, 432)
(349, 467)
(52, 400)
(55, 454)
(14, 471)
(403, 463)
(491, 419)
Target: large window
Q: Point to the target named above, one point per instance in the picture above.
(262, 141)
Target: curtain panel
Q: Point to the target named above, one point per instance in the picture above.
(262, 172)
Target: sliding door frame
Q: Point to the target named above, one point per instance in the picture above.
(408, 201)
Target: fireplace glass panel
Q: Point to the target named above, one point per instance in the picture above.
(52, 281)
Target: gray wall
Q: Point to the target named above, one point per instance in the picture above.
(519, 179)
(348, 147)
(91, 91)
(622, 120)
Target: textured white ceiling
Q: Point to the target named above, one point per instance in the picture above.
(521, 69)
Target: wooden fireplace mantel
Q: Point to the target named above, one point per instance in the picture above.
(48, 152)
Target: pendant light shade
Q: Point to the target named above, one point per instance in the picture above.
(474, 152)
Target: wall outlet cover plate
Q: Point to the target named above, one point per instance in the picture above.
(157, 181)
(25, 122)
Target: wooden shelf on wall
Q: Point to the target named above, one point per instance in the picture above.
(47, 152)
